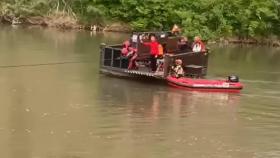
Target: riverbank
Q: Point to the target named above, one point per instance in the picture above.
(272, 41)
(66, 22)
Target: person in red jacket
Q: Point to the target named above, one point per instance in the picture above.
(198, 45)
(127, 49)
(154, 51)
(130, 54)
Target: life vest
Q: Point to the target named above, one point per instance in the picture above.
(160, 49)
(196, 48)
(177, 71)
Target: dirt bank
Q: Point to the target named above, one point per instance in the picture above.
(62, 21)
(269, 41)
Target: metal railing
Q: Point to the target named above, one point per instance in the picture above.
(111, 56)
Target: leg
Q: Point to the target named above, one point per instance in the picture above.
(132, 62)
(153, 63)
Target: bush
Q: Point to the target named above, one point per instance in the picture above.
(209, 19)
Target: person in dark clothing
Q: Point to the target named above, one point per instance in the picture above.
(184, 44)
(154, 51)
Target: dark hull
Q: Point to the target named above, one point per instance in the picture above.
(124, 73)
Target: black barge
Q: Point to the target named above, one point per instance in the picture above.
(113, 63)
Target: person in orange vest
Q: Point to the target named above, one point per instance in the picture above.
(160, 51)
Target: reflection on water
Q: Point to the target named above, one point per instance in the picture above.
(70, 110)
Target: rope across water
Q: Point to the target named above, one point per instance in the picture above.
(44, 64)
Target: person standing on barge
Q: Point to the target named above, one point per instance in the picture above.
(154, 52)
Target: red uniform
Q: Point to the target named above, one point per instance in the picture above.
(154, 51)
(153, 47)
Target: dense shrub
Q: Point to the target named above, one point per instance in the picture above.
(208, 18)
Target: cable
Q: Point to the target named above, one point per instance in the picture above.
(44, 64)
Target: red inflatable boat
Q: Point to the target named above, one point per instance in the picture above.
(230, 85)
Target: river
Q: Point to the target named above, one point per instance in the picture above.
(55, 104)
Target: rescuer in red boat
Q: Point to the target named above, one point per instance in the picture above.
(177, 70)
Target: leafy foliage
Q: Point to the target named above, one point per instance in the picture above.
(207, 18)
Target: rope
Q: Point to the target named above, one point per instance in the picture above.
(44, 64)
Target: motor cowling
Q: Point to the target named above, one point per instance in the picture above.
(233, 78)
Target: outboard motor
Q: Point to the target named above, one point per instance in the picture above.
(233, 78)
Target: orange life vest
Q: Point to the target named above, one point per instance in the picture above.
(160, 49)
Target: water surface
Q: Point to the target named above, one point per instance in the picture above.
(55, 104)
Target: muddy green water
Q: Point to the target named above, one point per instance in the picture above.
(55, 104)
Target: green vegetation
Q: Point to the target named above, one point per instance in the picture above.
(207, 18)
